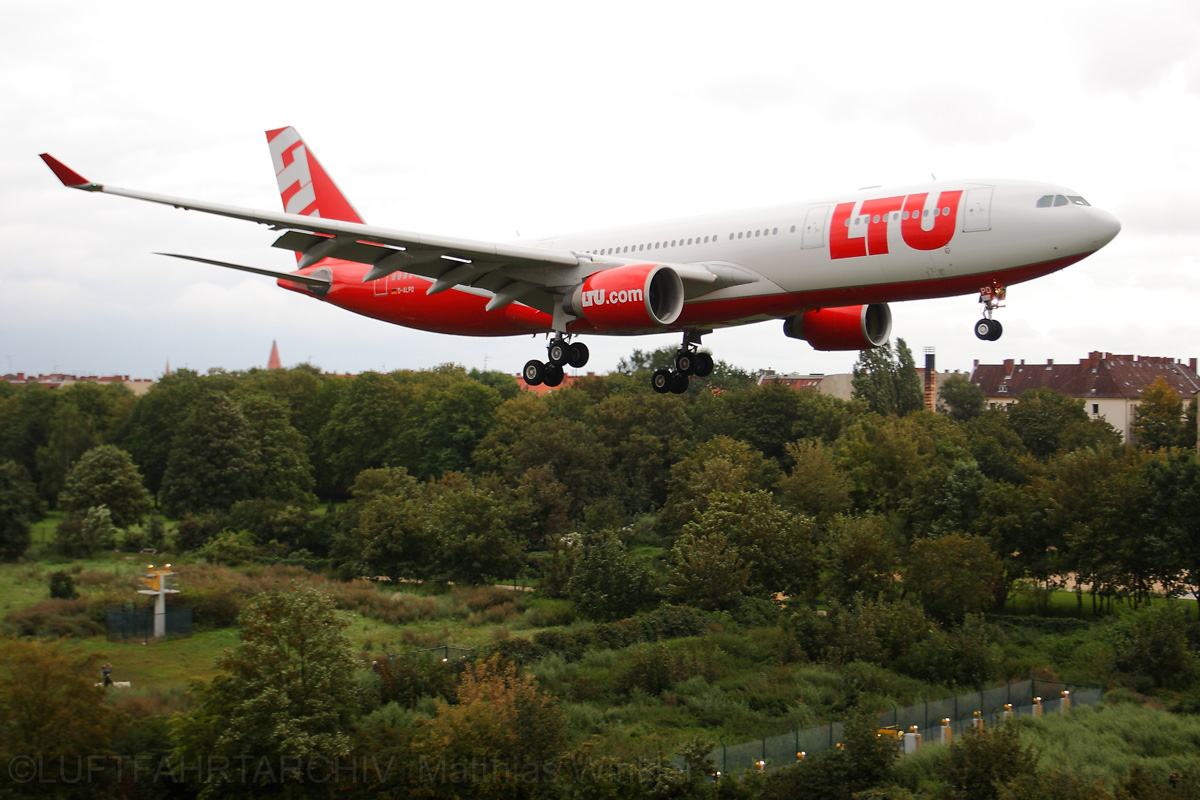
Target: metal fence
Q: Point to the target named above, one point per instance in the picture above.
(985, 707)
(138, 623)
(445, 652)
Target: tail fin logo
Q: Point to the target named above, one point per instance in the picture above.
(292, 173)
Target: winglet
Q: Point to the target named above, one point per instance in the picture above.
(68, 176)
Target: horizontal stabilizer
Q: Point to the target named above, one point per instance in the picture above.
(307, 280)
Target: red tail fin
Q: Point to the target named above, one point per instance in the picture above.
(304, 185)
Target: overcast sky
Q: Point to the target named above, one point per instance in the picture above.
(484, 119)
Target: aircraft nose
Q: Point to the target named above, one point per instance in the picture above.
(1104, 226)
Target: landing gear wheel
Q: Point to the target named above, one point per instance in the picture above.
(679, 383)
(558, 352)
(577, 354)
(685, 362)
(534, 372)
(997, 329)
(662, 379)
(704, 365)
(554, 376)
(987, 329)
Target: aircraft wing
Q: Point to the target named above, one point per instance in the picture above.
(511, 272)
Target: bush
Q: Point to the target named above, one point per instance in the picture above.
(196, 530)
(1153, 641)
(54, 618)
(978, 765)
(62, 586)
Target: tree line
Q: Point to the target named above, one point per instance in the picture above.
(751, 490)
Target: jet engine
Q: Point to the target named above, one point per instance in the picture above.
(846, 328)
(631, 298)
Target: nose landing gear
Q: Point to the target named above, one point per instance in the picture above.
(558, 352)
(987, 328)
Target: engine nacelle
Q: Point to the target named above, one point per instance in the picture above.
(631, 298)
(846, 328)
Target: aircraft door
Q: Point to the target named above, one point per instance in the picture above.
(814, 227)
(978, 213)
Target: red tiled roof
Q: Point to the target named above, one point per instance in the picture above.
(1098, 375)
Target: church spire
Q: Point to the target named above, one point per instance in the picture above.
(273, 362)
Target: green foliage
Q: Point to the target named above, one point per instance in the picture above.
(720, 465)
(283, 692)
(860, 558)
(1154, 641)
(864, 761)
(706, 571)
(405, 679)
(501, 729)
(20, 507)
(51, 709)
(106, 476)
(214, 460)
(815, 486)
(886, 379)
(282, 469)
(953, 575)
(977, 766)
(1048, 422)
(62, 585)
(1158, 420)
(79, 536)
(606, 582)
(961, 399)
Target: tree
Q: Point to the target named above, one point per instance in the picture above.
(607, 583)
(1048, 422)
(454, 423)
(382, 530)
(706, 572)
(721, 464)
(80, 535)
(369, 428)
(815, 486)
(156, 419)
(51, 709)
(961, 399)
(283, 693)
(284, 471)
(106, 476)
(20, 507)
(860, 558)
(214, 460)
(887, 380)
(473, 543)
(501, 739)
(1153, 641)
(953, 575)
(1159, 420)
(978, 765)
(777, 548)
(1172, 481)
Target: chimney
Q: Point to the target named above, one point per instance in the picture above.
(1192, 365)
(1008, 366)
(930, 379)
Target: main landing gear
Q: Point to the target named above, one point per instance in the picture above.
(688, 361)
(558, 353)
(987, 328)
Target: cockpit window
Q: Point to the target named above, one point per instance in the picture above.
(1056, 200)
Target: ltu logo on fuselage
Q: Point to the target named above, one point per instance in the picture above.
(598, 297)
(870, 225)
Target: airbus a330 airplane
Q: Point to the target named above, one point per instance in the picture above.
(827, 268)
